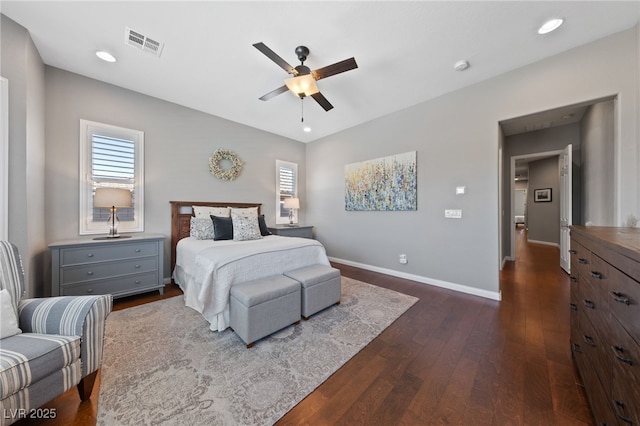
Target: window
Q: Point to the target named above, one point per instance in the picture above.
(111, 157)
(286, 187)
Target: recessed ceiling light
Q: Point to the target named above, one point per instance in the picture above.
(306, 129)
(105, 56)
(550, 25)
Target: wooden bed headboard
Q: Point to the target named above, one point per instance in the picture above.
(181, 213)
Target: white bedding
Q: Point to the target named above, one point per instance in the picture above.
(519, 219)
(206, 269)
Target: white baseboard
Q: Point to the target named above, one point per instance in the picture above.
(546, 243)
(425, 280)
(505, 260)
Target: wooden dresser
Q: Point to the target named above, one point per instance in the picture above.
(118, 266)
(605, 320)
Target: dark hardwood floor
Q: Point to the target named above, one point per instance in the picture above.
(450, 359)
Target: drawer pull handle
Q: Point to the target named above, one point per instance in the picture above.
(89, 254)
(573, 251)
(137, 266)
(618, 405)
(576, 348)
(89, 290)
(583, 261)
(596, 274)
(618, 351)
(589, 304)
(137, 250)
(137, 281)
(573, 306)
(89, 272)
(619, 297)
(589, 340)
(573, 279)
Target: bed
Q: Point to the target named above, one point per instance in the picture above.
(519, 219)
(205, 270)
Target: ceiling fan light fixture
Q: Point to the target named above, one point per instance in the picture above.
(302, 85)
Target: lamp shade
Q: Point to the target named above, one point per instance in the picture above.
(302, 85)
(112, 197)
(291, 203)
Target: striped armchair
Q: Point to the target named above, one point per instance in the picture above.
(58, 345)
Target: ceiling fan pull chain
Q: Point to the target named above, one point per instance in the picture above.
(302, 110)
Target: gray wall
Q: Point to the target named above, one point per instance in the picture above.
(544, 217)
(178, 144)
(22, 66)
(598, 166)
(457, 139)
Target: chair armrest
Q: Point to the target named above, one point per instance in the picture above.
(82, 316)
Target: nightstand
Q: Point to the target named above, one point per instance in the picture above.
(292, 231)
(117, 266)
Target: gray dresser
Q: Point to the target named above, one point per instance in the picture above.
(292, 231)
(120, 266)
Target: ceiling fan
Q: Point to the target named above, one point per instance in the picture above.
(303, 82)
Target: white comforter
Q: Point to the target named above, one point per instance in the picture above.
(206, 269)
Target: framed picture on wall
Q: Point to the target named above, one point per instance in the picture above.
(542, 195)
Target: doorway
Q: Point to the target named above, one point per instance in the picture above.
(590, 128)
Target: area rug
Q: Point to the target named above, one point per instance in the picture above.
(163, 366)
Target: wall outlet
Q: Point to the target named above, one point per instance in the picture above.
(402, 258)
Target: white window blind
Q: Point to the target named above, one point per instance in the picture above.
(113, 165)
(286, 187)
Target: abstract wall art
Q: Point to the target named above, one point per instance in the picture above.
(387, 183)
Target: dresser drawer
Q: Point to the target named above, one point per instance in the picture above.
(625, 381)
(574, 301)
(97, 271)
(624, 295)
(592, 304)
(596, 350)
(127, 284)
(625, 399)
(82, 255)
(601, 407)
(580, 258)
(597, 279)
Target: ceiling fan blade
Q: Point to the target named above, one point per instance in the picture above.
(337, 68)
(274, 93)
(324, 103)
(275, 58)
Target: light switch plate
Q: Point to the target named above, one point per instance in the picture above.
(453, 214)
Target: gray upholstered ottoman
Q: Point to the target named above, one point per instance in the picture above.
(321, 287)
(260, 307)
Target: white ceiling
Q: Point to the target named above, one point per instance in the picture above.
(405, 50)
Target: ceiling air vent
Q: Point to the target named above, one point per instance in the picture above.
(142, 42)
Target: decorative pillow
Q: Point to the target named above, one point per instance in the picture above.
(201, 228)
(205, 212)
(246, 212)
(8, 316)
(245, 228)
(222, 228)
(264, 231)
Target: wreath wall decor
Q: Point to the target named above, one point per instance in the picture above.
(225, 174)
